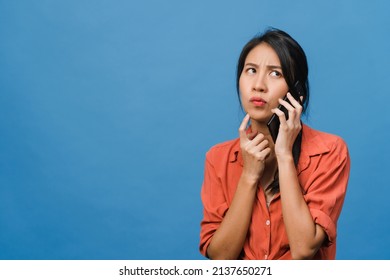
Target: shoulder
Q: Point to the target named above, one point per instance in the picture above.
(323, 155)
(319, 142)
(223, 149)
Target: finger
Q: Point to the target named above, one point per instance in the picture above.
(294, 113)
(258, 139)
(261, 146)
(262, 155)
(255, 146)
(286, 104)
(242, 128)
(289, 108)
(294, 102)
(280, 114)
(251, 135)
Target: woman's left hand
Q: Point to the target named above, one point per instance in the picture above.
(289, 129)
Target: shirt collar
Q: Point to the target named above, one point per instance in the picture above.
(314, 145)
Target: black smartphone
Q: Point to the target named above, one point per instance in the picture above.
(274, 122)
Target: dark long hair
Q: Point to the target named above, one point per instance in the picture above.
(294, 67)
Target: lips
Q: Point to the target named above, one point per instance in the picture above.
(257, 101)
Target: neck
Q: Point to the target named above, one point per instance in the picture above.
(261, 127)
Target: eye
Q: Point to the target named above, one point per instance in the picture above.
(250, 70)
(276, 73)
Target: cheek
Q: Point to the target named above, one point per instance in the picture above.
(244, 105)
(244, 86)
(279, 92)
(245, 82)
(244, 96)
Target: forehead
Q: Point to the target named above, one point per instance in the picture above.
(263, 54)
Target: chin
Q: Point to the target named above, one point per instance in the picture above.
(260, 116)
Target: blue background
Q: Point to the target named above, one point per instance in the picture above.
(107, 108)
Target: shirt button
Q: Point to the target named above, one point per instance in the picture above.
(267, 222)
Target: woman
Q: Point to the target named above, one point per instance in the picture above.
(273, 200)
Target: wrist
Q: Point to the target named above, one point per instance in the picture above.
(249, 179)
(285, 157)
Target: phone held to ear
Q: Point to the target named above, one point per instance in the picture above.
(274, 123)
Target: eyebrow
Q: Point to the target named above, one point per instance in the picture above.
(268, 66)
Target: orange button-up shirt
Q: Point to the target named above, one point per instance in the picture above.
(323, 172)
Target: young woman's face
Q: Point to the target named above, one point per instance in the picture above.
(262, 82)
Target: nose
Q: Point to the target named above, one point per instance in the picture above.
(260, 83)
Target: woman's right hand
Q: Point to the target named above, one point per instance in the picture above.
(255, 149)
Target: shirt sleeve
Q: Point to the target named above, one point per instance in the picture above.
(214, 204)
(326, 187)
